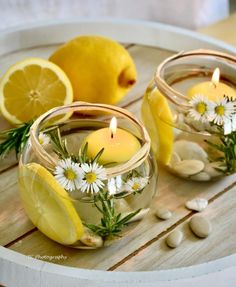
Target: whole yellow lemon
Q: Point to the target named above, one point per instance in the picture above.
(100, 69)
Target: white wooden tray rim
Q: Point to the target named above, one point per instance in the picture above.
(19, 270)
(125, 31)
(41, 272)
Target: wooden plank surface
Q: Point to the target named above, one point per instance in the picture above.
(13, 220)
(193, 250)
(173, 193)
(129, 253)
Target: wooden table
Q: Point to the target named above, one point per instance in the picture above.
(145, 248)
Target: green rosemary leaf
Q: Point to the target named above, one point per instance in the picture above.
(111, 223)
(82, 157)
(98, 155)
(121, 194)
(59, 145)
(103, 222)
(109, 164)
(118, 217)
(126, 219)
(15, 138)
(228, 149)
(98, 208)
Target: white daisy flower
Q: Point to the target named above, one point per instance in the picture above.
(230, 125)
(43, 139)
(233, 122)
(199, 108)
(227, 126)
(220, 110)
(68, 174)
(114, 185)
(93, 175)
(136, 184)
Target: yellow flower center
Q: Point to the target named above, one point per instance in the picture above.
(70, 174)
(136, 186)
(41, 141)
(90, 177)
(220, 110)
(201, 108)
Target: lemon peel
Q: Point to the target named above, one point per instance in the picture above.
(48, 205)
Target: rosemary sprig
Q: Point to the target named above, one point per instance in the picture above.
(227, 146)
(60, 148)
(59, 145)
(15, 138)
(112, 223)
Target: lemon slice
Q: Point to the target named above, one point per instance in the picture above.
(48, 205)
(31, 87)
(157, 118)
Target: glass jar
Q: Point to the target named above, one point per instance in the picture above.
(190, 116)
(72, 197)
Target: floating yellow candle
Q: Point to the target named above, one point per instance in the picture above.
(119, 145)
(213, 89)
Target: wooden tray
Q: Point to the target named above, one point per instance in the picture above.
(28, 258)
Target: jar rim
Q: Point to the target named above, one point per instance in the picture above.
(166, 89)
(50, 162)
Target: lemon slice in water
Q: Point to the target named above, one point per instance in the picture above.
(157, 117)
(48, 205)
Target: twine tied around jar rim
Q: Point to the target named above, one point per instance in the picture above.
(51, 162)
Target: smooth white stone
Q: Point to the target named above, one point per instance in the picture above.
(91, 239)
(190, 150)
(188, 167)
(200, 226)
(197, 204)
(174, 239)
(211, 168)
(174, 159)
(201, 176)
(163, 213)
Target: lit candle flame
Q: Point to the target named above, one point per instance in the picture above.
(113, 126)
(216, 77)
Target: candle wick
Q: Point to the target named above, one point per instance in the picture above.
(112, 135)
(214, 84)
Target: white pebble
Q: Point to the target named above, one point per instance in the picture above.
(190, 150)
(188, 167)
(211, 168)
(197, 204)
(163, 213)
(174, 159)
(200, 226)
(174, 239)
(201, 176)
(91, 239)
